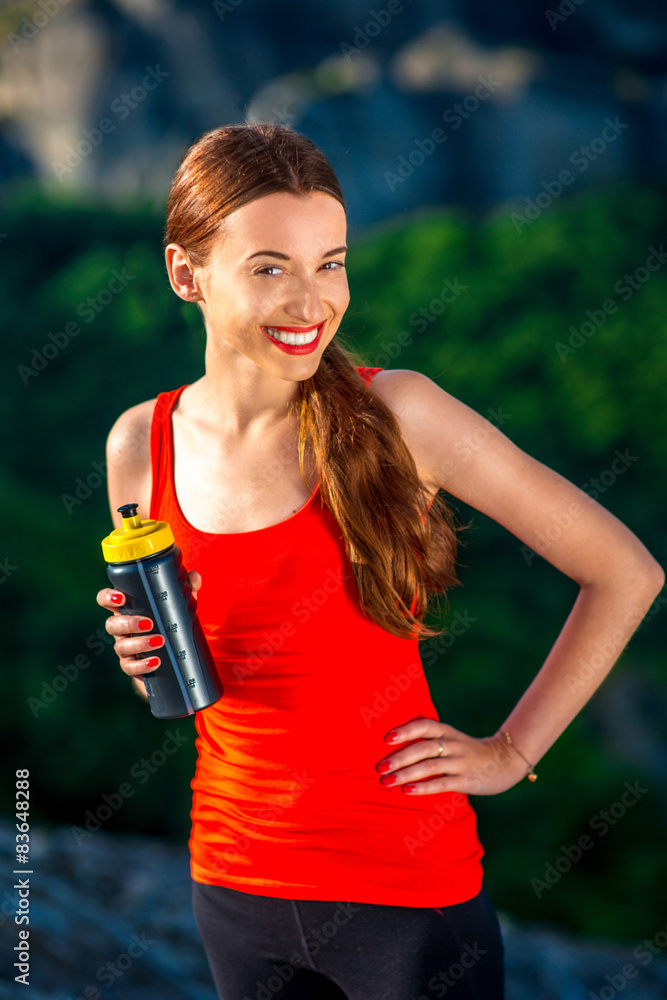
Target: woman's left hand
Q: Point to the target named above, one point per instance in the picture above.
(473, 766)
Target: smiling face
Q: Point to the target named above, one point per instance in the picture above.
(279, 266)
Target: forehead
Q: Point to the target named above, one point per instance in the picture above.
(284, 221)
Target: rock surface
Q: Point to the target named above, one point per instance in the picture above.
(112, 917)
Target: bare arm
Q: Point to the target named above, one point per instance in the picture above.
(129, 481)
(618, 578)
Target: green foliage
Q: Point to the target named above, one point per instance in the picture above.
(495, 304)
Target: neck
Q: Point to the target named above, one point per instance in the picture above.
(240, 399)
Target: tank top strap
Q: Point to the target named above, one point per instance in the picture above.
(162, 487)
(368, 373)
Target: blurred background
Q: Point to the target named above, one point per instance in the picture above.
(505, 171)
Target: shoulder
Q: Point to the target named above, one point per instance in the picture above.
(417, 401)
(129, 436)
(414, 398)
(395, 384)
(443, 434)
(128, 453)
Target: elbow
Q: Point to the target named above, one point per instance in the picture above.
(656, 578)
(648, 579)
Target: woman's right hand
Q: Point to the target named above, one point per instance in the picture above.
(128, 629)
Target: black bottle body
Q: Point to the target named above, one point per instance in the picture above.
(156, 586)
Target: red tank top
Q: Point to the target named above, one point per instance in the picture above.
(286, 799)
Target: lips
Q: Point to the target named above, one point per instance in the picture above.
(296, 348)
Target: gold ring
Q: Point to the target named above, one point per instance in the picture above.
(441, 750)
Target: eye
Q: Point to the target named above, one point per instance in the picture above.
(270, 267)
(339, 262)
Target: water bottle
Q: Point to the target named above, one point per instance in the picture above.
(144, 564)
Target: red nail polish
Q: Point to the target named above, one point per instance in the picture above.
(145, 625)
(389, 780)
(410, 788)
(390, 737)
(116, 598)
(384, 766)
(156, 640)
(152, 661)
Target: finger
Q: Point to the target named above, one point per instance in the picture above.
(445, 783)
(133, 667)
(420, 728)
(110, 599)
(423, 768)
(139, 645)
(421, 750)
(128, 624)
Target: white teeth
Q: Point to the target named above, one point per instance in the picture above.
(292, 338)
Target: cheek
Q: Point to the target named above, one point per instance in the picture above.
(343, 298)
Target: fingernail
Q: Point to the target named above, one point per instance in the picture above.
(384, 766)
(152, 661)
(389, 780)
(390, 737)
(145, 625)
(156, 640)
(116, 598)
(409, 788)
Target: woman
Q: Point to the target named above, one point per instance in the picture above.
(334, 848)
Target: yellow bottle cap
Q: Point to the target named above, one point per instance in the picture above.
(136, 539)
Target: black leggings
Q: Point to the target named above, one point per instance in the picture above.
(269, 948)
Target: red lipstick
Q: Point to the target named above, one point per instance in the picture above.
(296, 348)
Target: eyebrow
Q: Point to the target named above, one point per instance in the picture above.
(284, 256)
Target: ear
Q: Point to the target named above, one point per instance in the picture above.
(183, 276)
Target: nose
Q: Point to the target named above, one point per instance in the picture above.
(305, 303)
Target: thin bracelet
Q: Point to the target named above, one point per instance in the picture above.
(531, 773)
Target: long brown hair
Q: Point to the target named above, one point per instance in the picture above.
(401, 550)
